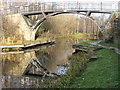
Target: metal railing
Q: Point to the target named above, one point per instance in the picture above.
(12, 7)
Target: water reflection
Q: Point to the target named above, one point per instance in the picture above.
(28, 68)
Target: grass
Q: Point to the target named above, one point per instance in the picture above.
(102, 73)
(10, 41)
(81, 35)
(78, 35)
(14, 41)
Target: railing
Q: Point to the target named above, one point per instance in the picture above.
(11, 7)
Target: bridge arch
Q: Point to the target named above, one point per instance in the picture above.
(34, 28)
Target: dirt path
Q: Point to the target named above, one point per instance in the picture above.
(107, 47)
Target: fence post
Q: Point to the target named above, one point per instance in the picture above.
(79, 6)
(119, 6)
(101, 6)
(64, 6)
(44, 6)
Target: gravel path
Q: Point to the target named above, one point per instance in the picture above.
(107, 47)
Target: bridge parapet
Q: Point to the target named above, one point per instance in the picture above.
(11, 8)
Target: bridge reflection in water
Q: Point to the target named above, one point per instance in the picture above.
(30, 68)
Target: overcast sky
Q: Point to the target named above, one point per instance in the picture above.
(62, 0)
(78, 0)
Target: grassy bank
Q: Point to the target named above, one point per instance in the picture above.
(102, 73)
(13, 41)
(81, 35)
(78, 64)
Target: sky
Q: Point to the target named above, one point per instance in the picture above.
(63, 0)
(79, 0)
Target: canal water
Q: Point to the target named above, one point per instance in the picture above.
(29, 68)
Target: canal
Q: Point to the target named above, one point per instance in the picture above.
(30, 68)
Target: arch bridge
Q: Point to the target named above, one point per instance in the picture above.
(28, 29)
(46, 14)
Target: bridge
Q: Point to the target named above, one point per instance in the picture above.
(26, 6)
(54, 8)
(47, 14)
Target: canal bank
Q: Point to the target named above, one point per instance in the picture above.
(39, 62)
(25, 46)
(68, 68)
(101, 72)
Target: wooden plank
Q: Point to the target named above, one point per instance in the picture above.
(26, 45)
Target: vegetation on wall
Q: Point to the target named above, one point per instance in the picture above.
(10, 33)
(112, 31)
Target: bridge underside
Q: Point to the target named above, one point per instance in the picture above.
(47, 14)
(28, 31)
